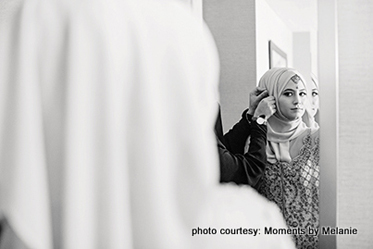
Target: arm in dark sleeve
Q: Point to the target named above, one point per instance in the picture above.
(243, 168)
(254, 161)
(235, 138)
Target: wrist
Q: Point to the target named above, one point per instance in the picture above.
(261, 120)
(248, 116)
(258, 114)
(250, 111)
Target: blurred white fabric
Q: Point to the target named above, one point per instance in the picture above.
(107, 111)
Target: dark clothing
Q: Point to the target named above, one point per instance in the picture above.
(235, 165)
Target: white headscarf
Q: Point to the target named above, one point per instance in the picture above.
(280, 129)
(107, 112)
(101, 106)
(308, 118)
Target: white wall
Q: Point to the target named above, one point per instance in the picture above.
(232, 24)
(302, 56)
(346, 76)
(314, 49)
(355, 170)
(269, 26)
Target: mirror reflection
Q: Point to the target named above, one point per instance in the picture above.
(278, 70)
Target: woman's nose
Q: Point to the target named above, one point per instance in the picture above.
(296, 99)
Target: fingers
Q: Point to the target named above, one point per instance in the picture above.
(257, 91)
(258, 96)
(254, 92)
(271, 104)
(273, 109)
(270, 100)
(266, 107)
(263, 94)
(260, 89)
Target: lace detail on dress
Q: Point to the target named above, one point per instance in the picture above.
(294, 187)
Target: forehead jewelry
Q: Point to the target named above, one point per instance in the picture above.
(295, 79)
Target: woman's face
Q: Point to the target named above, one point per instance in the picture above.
(314, 100)
(292, 99)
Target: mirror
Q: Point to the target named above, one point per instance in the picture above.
(243, 32)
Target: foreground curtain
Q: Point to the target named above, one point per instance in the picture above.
(107, 111)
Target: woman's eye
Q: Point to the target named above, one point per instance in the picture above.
(288, 94)
(314, 94)
(302, 94)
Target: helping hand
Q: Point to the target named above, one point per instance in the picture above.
(266, 107)
(255, 97)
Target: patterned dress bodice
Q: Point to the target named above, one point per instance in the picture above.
(294, 187)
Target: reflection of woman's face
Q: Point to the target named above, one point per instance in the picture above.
(314, 99)
(292, 99)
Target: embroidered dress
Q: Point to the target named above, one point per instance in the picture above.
(294, 187)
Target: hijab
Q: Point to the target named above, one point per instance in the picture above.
(308, 118)
(280, 130)
(107, 110)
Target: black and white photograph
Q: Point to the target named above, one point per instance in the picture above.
(183, 124)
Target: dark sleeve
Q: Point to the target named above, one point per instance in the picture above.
(238, 167)
(235, 138)
(253, 161)
(219, 128)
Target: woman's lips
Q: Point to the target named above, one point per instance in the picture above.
(297, 109)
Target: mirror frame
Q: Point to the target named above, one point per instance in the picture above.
(328, 78)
